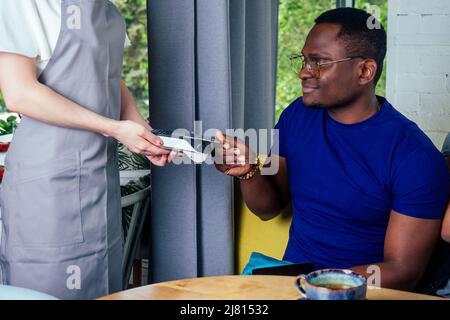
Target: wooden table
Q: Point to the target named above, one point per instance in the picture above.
(240, 288)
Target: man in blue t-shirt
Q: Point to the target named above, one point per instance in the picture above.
(367, 186)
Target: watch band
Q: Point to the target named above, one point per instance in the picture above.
(254, 169)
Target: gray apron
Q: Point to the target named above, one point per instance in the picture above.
(60, 194)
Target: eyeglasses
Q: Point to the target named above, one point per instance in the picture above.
(299, 62)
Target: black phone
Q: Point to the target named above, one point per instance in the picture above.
(286, 270)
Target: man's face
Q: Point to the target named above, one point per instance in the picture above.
(338, 82)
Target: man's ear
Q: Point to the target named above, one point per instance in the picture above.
(367, 72)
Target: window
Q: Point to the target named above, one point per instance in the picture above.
(135, 69)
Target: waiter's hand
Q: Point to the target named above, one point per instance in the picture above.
(234, 158)
(162, 160)
(139, 139)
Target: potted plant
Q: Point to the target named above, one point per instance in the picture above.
(6, 132)
(7, 128)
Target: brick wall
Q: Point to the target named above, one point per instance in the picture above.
(418, 63)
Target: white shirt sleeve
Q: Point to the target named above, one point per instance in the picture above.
(127, 41)
(16, 30)
(31, 28)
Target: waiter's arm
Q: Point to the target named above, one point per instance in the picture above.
(24, 94)
(128, 107)
(129, 111)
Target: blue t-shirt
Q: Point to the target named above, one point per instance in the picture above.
(345, 179)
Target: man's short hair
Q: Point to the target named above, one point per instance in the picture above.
(358, 38)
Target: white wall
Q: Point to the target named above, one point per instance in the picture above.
(418, 63)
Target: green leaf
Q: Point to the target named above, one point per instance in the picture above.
(11, 119)
(2, 104)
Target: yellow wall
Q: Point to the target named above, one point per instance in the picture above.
(253, 234)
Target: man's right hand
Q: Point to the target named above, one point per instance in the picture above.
(265, 195)
(234, 157)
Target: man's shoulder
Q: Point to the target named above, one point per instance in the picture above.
(408, 142)
(399, 120)
(406, 132)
